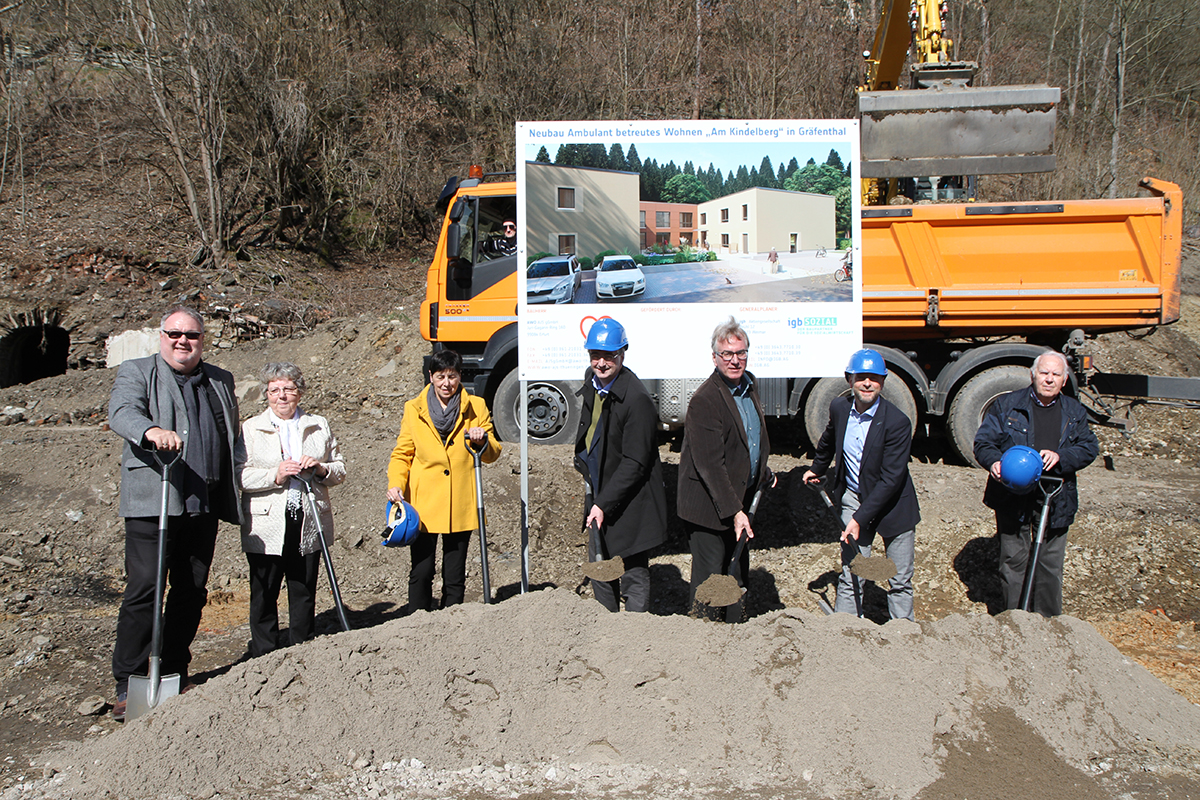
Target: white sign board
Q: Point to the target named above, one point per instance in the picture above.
(670, 227)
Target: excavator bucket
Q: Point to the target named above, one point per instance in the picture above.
(962, 130)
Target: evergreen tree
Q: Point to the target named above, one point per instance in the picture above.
(633, 160)
(595, 156)
(563, 156)
(792, 168)
(835, 160)
(543, 157)
(689, 168)
(766, 173)
(616, 157)
(651, 181)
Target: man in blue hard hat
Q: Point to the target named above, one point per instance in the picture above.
(1056, 426)
(616, 451)
(869, 438)
(722, 463)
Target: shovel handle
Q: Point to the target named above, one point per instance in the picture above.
(477, 452)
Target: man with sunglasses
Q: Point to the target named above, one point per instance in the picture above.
(723, 461)
(617, 453)
(171, 401)
(506, 243)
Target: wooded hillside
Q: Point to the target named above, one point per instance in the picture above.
(330, 126)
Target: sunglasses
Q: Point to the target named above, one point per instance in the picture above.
(191, 336)
(510, 227)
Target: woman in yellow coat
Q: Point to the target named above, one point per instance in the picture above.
(432, 469)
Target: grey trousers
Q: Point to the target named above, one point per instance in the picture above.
(899, 548)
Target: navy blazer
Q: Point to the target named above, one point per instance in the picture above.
(888, 500)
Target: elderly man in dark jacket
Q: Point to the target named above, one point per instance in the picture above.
(172, 401)
(1042, 417)
(617, 455)
(724, 459)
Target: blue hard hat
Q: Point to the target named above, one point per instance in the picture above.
(606, 334)
(403, 525)
(1020, 468)
(866, 362)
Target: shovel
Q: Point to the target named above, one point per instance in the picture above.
(877, 569)
(483, 555)
(1027, 586)
(719, 591)
(145, 693)
(306, 478)
(602, 569)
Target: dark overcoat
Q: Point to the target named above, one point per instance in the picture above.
(629, 489)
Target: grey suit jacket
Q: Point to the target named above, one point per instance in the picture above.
(145, 395)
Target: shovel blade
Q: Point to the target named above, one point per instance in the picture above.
(137, 701)
(873, 568)
(719, 591)
(604, 571)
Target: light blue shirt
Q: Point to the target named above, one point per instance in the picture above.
(750, 422)
(857, 427)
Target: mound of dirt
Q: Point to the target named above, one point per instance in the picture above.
(548, 689)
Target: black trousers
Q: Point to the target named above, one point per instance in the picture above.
(1016, 548)
(711, 553)
(266, 577)
(454, 570)
(633, 586)
(190, 544)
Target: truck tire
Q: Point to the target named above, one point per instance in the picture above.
(553, 410)
(816, 406)
(973, 400)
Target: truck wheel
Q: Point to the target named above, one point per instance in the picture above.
(973, 401)
(553, 410)
(816, 406)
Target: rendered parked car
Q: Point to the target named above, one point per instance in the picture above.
(553, 279)
(619, 276)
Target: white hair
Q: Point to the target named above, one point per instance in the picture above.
(1052, 354)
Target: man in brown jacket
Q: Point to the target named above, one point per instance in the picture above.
(724, 459)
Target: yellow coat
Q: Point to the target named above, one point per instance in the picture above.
(439, 479)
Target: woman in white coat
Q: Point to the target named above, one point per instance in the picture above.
(279, 535)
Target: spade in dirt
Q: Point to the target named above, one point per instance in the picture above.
(720, 591)
(145, 693)
(871, 568)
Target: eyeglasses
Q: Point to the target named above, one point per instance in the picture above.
(604, 355)
(510, 227)
(729, 355)
(280, 391)
(191, 336)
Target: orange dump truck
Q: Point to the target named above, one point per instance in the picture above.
(958, 297)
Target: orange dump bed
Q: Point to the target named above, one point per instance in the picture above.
(961, 270)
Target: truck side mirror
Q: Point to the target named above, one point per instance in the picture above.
(457, 210)
(453, 240)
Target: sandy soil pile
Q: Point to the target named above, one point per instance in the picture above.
(550, 685)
